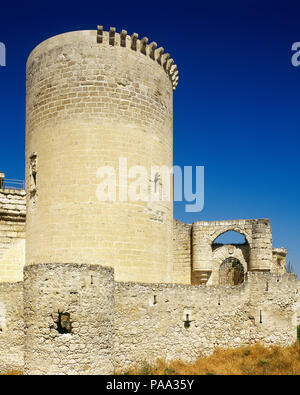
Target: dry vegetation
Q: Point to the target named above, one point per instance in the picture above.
(12, 373)
(251, 360)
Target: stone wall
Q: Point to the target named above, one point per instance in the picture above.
(184, 322)
(279, 260)
(68, 312)
(298, 303)
(258, 236)
(12, 234)
(182, 254)
(11, 327)
(78, 321)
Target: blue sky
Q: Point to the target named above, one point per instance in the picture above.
(236, 108)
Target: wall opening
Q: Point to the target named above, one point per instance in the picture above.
(231, 272)
(230, 237)
(187, 322)
(64, 324)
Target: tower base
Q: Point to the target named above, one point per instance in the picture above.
(68, 312)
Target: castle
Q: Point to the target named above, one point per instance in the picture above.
(108, 285)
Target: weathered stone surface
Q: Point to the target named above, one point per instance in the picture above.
(279, 260)
(68, 319)
(12, 234)
(219, 317)
(256, 255)
(11, 327)
(182, 252)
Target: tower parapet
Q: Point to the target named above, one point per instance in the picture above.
(140, 46)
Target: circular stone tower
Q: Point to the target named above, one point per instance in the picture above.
(93, 98)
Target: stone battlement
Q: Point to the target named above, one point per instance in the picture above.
(132, 42)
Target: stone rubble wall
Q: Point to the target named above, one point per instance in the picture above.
(182, 254)
(11, 327)
(298, 303)
(279, 260)
(150, 318)
(120, 325)
(86, 294)
(12, 234)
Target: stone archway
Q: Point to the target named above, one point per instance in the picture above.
(255, 254)
(231, 272)
(228, 253)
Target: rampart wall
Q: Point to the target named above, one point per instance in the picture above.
(175, 321)
(11, 327)
(12, 234)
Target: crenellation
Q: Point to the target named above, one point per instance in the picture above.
(99, 34)
(112, 33)
(143, 45)
(152, 48)
(169, 64)
(134, 38)
(164, 59)
(158, 54)
(123, 36)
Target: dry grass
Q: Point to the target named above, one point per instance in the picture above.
(251, 360)
(12, 373)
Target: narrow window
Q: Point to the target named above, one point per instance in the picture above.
(64, 324)
(187, 322)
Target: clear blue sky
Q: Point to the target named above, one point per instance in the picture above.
(236, 108)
